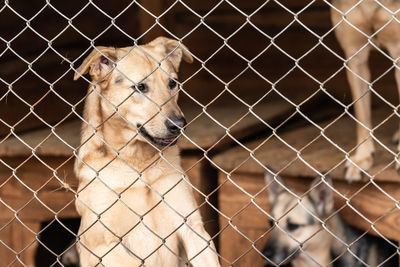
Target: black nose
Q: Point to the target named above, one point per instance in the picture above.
(269, 251)
(175, 124)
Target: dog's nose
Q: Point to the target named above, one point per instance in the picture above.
(269, 251)
(175, 124)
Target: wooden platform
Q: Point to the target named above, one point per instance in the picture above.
(205, 129)
(243, 199)
(298, 151)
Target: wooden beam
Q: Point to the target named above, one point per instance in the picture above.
(316, 149)
(21, 243)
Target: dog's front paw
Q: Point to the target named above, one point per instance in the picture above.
(354, 168)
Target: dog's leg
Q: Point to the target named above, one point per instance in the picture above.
(394, 50)
(396, 135)
(197, 242)
(358, 74)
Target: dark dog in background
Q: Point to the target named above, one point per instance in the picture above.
(299, 238)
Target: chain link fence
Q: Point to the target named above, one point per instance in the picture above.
(287, 123)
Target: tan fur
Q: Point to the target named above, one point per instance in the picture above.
(135, 207)
(368, 17)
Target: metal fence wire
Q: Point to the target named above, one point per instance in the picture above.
(281, 149)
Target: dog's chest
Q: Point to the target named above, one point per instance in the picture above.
(139, 216)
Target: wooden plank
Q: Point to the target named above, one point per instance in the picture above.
(44, 142)
(202, 130)
(36, 176)
(20, 244)
(316, 150)
(241, 217)
(373, 204)
(18, 190)
(43, 207)
(205, 132)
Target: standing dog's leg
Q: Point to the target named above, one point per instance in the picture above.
(363, 157)
(389, 37)
(358, 75)
(394, 50)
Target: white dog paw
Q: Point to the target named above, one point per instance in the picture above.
(353, 170)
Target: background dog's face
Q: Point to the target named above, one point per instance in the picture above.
(142, 84)
(294, 224)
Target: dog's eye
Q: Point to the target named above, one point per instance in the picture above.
(142, 87)
(171, 84)
(292, 226)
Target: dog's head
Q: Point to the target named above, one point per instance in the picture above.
(294, 226)
(138, 86)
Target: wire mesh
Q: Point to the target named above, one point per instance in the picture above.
(279, 92)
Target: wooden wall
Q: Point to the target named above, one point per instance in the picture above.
(222, 28)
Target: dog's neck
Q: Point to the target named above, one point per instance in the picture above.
(326, 247)
(316, 254)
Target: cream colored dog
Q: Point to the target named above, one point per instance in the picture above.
(137, 208)
(375, 19)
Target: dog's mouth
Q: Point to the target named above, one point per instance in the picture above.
(166, 141)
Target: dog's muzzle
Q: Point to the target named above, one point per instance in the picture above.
(174, 124)
(169, 140)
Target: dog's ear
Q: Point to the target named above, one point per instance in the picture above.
(98, 63)
(322, 196)
(274, 186)
(173, 50)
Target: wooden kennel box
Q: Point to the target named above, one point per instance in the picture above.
(370, 205)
